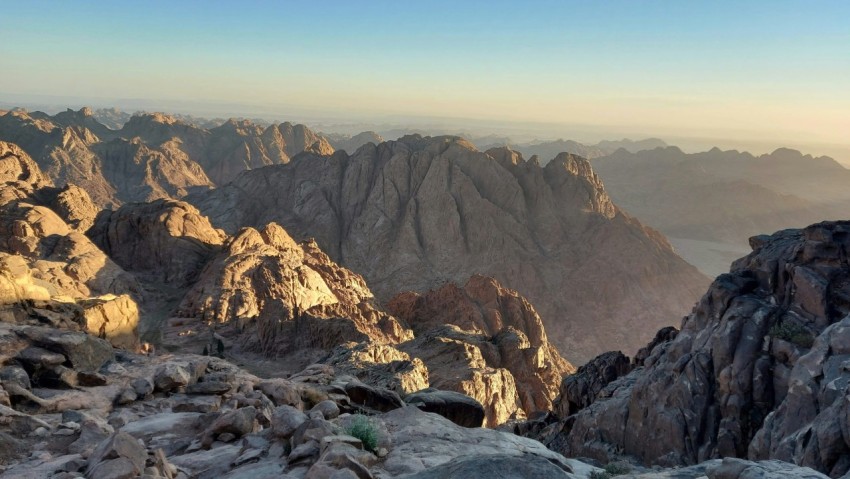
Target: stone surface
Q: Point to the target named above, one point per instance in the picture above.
(286, 420)
(120, 454)
(495, 349)
(436, 210)
(498, 467)
(456, 407)
(757, 370)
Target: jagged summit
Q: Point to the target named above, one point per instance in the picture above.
(413, 213)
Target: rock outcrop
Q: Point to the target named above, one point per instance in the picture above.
(165, 240)
(757, 370)
(279, 297)
(497, 348)
(415, 213)
(55, 252)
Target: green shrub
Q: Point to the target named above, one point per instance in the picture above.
(362, 428)
(793, 333)
(611, 470)
(617, 469)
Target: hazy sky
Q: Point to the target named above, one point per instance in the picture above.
(762, 70)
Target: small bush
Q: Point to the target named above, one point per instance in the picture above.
(617, 469)
(362, 428)
(599, 475)
(793, 333)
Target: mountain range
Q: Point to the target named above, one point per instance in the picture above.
(414, 213)
(247, 300)
(710, 203)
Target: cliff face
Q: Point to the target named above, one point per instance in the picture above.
(758, 369)
(500, 334)
(412, 214)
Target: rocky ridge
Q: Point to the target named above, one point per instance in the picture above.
(414, 213)
(757, 371)
(152, 155)
(259, 294)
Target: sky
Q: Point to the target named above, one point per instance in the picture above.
(768, 71)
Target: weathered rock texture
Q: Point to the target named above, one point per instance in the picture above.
(153, 155)
(278, 296)
(415, 213)
(167, 240)
(497, 348)
(758, 370)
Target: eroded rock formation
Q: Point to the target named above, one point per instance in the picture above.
(756, 371)
(415, 213)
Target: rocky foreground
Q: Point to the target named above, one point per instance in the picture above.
(760, 370)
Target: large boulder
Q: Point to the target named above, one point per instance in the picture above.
(83, 352)
(456, 407)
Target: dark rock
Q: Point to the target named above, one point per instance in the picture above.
(119, 454)
(37, 358)
(759, 370)
(285, 420)
(239, 422)
(142, 386)
(84, 352)
(14, 374)
(202, 404)
(579, 390)
(454, 406)
(170, 376)
(208, 387)
(377, 399)
(90, 379)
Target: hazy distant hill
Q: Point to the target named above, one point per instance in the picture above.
(710, 203)
(546, 150)
(351, 143)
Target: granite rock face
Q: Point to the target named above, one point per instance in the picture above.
(165, 239)
(758, 370)
(414, 213)
(500, 335)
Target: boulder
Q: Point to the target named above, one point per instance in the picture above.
(239, 422)
(170, 376)
(456, 407)
(83, 352)
(374, 398)
(286, 420)
(119, 456)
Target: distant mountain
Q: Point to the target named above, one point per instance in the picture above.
(414, 213)
(546, 150)
(112, 118)
(710, 203)
(152, 155)
(350, 144)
